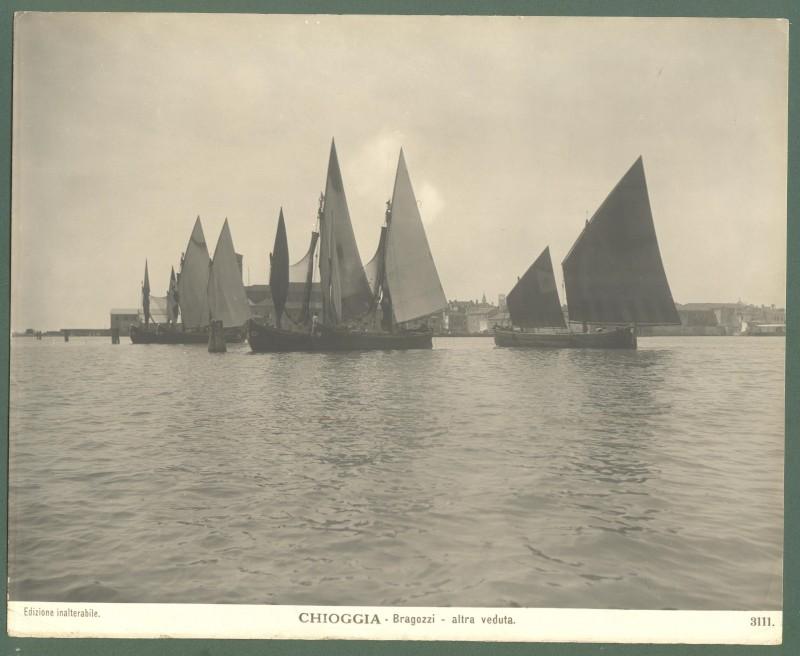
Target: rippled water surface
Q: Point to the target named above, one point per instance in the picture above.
(466, 475)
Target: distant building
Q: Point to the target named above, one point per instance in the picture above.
(121, 319)
(456, 318)
(499, 317)
(699, 316)
(478, 318)
(750, 328)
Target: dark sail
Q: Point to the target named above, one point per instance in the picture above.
(533, 303)
(172, 298)
(279, 270)
(146, 295)
(614, 273)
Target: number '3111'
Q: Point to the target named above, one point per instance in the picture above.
(761, 621)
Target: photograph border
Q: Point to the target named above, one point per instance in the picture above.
(647, 8)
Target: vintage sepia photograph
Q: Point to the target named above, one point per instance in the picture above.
(398, 327)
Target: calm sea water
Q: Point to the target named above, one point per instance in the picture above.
(466, 475)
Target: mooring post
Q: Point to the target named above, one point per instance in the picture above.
(216, 338)
(66, 335)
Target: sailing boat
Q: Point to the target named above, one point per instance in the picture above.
(366, 309)
(227, 299)
(188, 294)
(296, 337)
(614, 280)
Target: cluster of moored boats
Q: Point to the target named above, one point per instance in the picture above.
(613, 276)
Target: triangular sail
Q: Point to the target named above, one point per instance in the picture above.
(345, 290)
(614, 273)
(193, 280)
(279, 270)
(533, 302)
(227, 299)
(410, 271)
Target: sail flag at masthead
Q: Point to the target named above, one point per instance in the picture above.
(345, 291)
(533, 302)
(410, 270)
(172, 298)
(614, 274)
(193, 280)
(279, 270)
(227, 299)
(146, 295)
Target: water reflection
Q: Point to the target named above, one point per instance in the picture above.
(464, 475)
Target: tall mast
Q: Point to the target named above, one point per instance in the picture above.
(310, 273)
(324, 264)
(387, 320)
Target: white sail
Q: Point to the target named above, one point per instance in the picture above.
(298, 272)
(344, 285)
(193, 280)
(375, 267)
(413, 281)
(227, 299)
(158, 309)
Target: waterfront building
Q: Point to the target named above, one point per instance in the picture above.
(121, 320)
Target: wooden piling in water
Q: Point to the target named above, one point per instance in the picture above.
(115, 335)
(216, 338)
(66, 335)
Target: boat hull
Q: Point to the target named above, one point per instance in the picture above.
(619, 338)
(267, 339)
(142, 335)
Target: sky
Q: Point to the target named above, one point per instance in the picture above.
(129, 126)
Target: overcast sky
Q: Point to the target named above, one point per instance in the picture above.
(128, 126)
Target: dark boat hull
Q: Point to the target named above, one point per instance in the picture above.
(267, 339)
(141, 335)
(619, 338)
